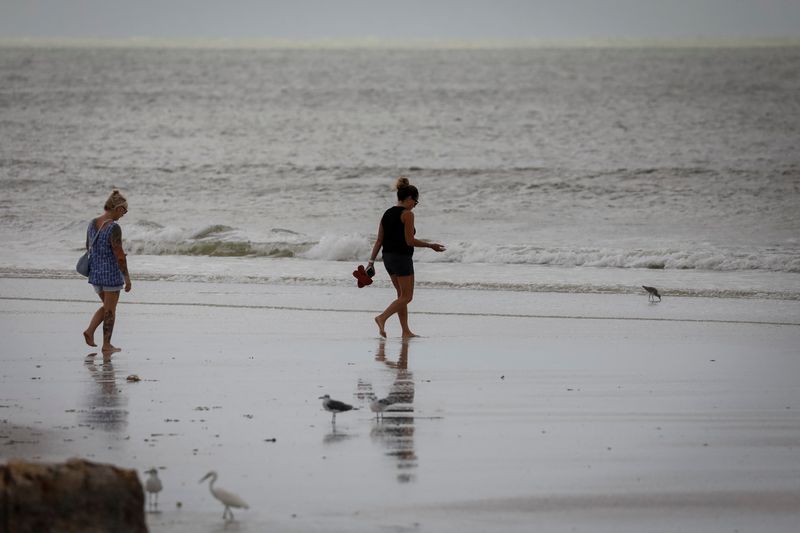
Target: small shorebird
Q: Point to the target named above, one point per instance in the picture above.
(379, 406)
(152, 486)
(652, 293)
(334, 406)
(228, 499)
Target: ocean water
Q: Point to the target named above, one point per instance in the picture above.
(579, 170)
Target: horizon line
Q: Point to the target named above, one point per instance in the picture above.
(376, 43)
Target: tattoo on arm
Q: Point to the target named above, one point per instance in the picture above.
(119, 253)
(116, 236)
(123, 266)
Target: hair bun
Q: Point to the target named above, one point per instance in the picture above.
(115, 199)
(401, 183)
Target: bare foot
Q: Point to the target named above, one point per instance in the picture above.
(88, 338)
(409, 334)
(110, 349)
(380, 326)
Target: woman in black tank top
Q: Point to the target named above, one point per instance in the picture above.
(396, 237)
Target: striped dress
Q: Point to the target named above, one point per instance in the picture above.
(103, 267)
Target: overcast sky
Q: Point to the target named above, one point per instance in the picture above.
(401, 19)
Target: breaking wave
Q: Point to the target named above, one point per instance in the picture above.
(351, 247)
(670, 259)
(217, 240)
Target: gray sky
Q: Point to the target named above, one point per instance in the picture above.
(401, 19)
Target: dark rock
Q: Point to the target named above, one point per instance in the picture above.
(76, 496)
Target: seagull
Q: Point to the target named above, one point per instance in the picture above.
(153, 486)
(652, 293)
(334, 406)
(228, 499)
(379, 406)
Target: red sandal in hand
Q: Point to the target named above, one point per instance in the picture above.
(362, 276)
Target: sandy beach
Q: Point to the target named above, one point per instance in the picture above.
(520, 411)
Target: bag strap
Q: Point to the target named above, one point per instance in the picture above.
(96, 235)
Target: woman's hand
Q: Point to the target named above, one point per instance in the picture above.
(127, 284)
(436, 247)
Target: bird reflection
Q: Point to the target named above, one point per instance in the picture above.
(105, 405)
(335, 436)
(395, 426)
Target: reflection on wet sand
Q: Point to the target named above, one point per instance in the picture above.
(104, 404)
(395, 427)
(335, 436)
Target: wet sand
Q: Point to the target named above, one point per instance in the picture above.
(514, 411)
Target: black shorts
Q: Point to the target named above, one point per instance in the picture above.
(398, 264)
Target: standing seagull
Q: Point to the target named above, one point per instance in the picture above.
(379, 406)
(652, 293)
(153, 487)
(228, 499)
(334, 406)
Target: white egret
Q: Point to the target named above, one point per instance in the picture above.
(228, 499)
(334, 406)
(152, 486)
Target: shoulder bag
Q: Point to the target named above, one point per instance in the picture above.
(83, 262)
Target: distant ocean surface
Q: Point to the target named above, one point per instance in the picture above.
(577, 170)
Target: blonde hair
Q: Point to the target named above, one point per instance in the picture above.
(115, 200)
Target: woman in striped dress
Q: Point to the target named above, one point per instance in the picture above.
(108, 268)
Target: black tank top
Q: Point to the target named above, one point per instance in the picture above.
(394, 236)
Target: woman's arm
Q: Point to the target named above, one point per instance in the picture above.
(119, 253)
(377, 246)
(408, 222)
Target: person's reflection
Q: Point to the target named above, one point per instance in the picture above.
(104, 406)
(395, 428)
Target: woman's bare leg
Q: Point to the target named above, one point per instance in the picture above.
(109, 315)
(407, 289)
(94, 323)
(405, 292)
(379, 320)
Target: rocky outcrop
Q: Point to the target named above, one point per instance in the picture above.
(76, 496)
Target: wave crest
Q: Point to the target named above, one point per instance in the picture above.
(350, 247)
(225, 241)
(215, 240)
(715, 260)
